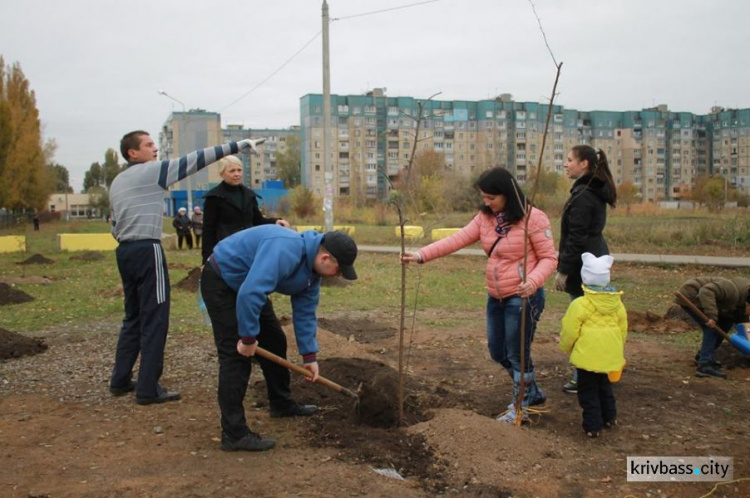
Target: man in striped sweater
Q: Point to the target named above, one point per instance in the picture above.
(137, 203)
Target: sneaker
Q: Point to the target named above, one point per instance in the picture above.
(294, 410)
(592, 434)
(610, 424)
(120, 391)
(709, 370)
(249, 442)
(571, 387)
(509, 416)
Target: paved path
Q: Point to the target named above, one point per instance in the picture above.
(675, 259)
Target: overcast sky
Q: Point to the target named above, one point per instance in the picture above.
(96, 65)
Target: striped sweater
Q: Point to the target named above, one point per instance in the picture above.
(137, 194)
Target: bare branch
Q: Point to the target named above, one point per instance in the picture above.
(544, 35)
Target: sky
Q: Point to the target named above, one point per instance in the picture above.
(96, 66)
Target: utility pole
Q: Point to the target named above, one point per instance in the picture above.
(327, 164)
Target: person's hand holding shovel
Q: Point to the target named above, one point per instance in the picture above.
(246, 349)
(313, 368)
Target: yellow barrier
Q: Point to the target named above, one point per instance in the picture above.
(441, 233)
(411, 232)
(305, 228)
(86, 242)
(13, 243)
(349, 229)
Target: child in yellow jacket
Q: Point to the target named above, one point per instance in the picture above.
(594, 329)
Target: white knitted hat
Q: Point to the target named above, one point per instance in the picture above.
(595, 270)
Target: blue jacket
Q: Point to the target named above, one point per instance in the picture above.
(270, 258)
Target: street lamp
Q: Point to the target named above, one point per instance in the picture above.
(189, 178)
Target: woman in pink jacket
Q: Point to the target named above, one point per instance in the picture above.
(499, 227)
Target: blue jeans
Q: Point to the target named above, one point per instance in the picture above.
(503, 329)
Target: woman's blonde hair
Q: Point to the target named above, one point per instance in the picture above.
(226, 161)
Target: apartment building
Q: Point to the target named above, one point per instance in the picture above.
(660, 151)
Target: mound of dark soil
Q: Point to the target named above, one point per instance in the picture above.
(87, 256)
(14, 345)
(11, 295)
(36, 259)
(189, 283)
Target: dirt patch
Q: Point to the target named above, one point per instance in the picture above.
(189, 283)
(179, 266)
(64, 435)
(11, 295)
(87, 256)
(14, 345)
(651, 323)
(361, 329)
(36, 259)
(116, 291)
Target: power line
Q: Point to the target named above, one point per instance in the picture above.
(267, 78)
(273, 73)
(383, 10)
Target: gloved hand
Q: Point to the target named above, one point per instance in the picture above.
(247, 146)
(560, 281)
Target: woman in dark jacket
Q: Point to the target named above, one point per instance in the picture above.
(228, 208)
(583, 220)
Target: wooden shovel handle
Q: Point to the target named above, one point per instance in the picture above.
(293, 366)
(698, 312)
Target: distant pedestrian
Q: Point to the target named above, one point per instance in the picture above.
(197, 220)
(183, 226)
(36, 221)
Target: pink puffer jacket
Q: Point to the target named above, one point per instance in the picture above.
(505, 265)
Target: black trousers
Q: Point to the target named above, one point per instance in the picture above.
(187, 237)
(596, 398)
(145, 284)
(235, 369)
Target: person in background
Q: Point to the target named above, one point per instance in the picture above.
(137, 203)
(239, 275)
(182, 226)
(499, 227)
(726, 302)
(583, 219)
(36, 221)
(197, 220)
(593, 332)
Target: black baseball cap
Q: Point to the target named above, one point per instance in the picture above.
(343, 248)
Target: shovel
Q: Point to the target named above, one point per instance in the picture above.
(736, 340)
(291, 366)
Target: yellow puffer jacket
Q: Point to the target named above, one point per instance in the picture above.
(594, 328)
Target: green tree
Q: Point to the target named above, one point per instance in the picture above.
(111, 168)
(289, 163)
(93, 177)
(60, 176)
(26, 181)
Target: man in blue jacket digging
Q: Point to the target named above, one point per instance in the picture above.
(237, 278)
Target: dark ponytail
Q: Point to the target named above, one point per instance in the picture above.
(598, 167)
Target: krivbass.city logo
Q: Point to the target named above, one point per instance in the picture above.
(680, 469)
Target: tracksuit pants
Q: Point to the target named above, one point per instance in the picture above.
(145, 284)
